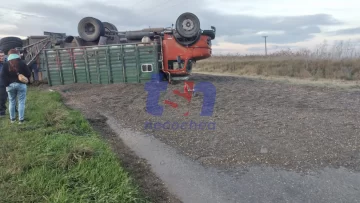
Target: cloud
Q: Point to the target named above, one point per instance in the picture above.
(348, 31)
(287, 36)
(36, 17)
(245, 29)
(7, 27)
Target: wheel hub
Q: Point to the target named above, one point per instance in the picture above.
(188, 25)
(89, 28)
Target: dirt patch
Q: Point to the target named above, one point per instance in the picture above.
(257, 122)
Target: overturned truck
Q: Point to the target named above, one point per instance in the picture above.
(102, 55)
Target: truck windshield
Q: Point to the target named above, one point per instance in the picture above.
(173, 65)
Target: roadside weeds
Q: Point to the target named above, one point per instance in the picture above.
(56, 156)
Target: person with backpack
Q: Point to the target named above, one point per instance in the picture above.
(15, 74)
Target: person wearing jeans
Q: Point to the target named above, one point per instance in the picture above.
(14, 87)
(3, 93)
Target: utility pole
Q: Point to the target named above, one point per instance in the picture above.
(265, 45)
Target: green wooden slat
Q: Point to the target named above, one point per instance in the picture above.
(87, 66)
(97, 66)
(73, 65)
(48, 71)
(123, 63)
(155, 55)
(137, 64)
(59, 66)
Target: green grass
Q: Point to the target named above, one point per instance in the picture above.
(57, 157)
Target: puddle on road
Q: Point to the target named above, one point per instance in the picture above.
(191, 182)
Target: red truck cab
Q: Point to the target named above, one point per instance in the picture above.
(178, 59)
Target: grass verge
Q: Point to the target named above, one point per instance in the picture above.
(57, 157)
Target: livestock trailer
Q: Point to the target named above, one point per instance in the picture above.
(105, 64)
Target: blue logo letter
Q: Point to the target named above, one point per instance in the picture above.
(209, 91)
(154, 88)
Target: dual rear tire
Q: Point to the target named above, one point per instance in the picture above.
(91, 29)
(8, 43)
(109, 27)
(188, 30)
(188, 25)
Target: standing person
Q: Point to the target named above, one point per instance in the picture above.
(3, 93)
(34, 68)
(2, 53)
(15, 85)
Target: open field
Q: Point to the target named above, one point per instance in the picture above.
(333, 83)
(340, 61)
(56, 156)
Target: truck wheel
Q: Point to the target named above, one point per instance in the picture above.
(69, 39)
(6, 45)
(12, 39)
(188, 25)
(209, 33)
(90, 29)
(187, 41)
(109, 26)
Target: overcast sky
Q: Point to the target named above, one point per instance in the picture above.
(240, 24)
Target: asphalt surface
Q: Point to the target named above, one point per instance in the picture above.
(192, 182)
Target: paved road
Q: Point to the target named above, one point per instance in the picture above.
(192, 182)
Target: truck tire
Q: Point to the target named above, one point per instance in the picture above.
(109, 26)
(90, 29)
(6, 45)
(187, 41)
(209, 33)
(12, 39)
(69, 39)
(188, 25)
